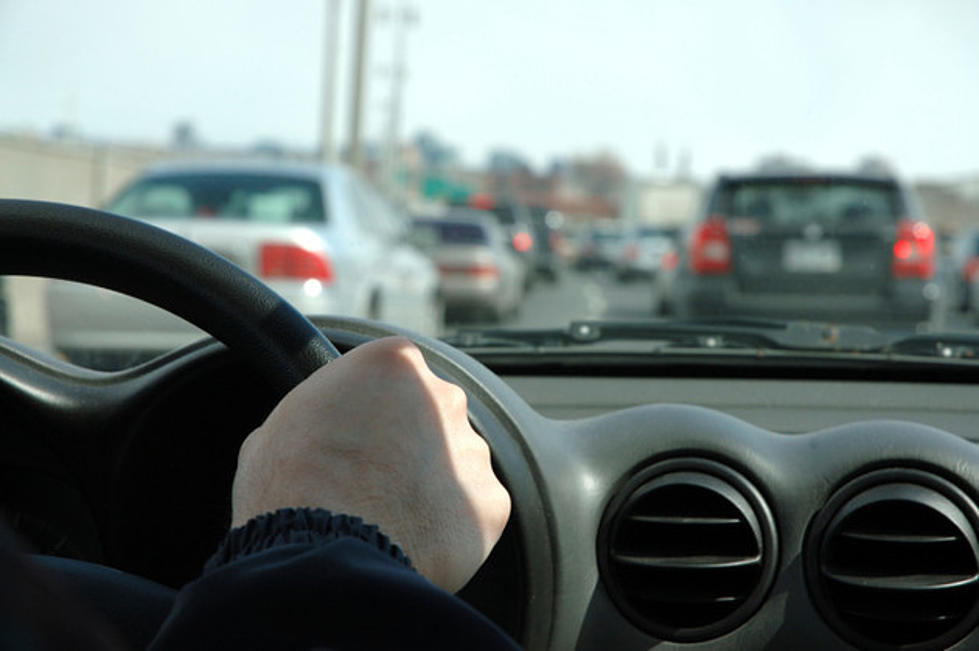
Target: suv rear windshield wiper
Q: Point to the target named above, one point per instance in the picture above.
(729, 333)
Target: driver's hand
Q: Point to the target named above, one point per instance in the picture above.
(377, 435)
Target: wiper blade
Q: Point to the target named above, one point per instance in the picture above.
(950, 345)
(497, 338)
(720, 333)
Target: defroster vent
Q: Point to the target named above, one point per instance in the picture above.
(687, 549)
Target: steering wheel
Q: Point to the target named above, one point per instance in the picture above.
(94, 247)
(90, 246)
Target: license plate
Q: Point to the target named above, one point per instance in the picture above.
(812, 257)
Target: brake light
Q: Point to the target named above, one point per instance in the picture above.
(474, 270)
(522, 241)
(294, 262)
(970, 269)
(914, 250)
(710, 248)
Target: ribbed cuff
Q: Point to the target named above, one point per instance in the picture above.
(299, 526)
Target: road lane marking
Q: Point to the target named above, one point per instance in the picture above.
(594, 299)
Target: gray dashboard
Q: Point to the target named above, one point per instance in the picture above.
(788, 407)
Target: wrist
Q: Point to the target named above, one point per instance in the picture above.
(299, 526)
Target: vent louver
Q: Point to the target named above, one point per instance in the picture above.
(687, 550)
(893, 561)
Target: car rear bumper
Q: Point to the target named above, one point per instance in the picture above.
(905, 301)
(459, 293)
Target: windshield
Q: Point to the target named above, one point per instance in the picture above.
(459, 167)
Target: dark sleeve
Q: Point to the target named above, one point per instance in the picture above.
(303, 579)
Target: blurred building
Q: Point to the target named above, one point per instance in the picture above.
(661, 202)
(950, 206)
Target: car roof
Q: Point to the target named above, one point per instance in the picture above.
(270, 167)
(797, 175)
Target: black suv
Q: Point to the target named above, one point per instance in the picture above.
(827, 247)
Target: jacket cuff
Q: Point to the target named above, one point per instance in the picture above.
(304, 526)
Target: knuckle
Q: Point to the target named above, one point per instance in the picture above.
(455, 397)
(247, 449)
(504, 505)
(482, 447)
(392, 351)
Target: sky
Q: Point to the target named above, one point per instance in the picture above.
(828, 82)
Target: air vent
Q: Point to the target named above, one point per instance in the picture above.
(687, 550)
(893, 561)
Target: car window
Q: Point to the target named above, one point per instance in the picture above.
(460, 233)
(791, 203)
(247, 197)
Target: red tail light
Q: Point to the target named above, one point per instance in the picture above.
(294, 262)
(522, 241)
(710, 248)
(914, 250)
(970, 269)
(475, 270)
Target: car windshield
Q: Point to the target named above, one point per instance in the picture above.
(456, 168)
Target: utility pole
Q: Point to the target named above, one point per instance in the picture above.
(401, 20)
(356, 101)
(331, 45)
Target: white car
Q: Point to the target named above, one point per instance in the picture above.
(479, 270)
(644, 251)
(319, 235)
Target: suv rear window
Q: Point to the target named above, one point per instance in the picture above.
(248, 197)
(795, 202)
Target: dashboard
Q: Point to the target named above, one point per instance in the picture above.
(666, 512)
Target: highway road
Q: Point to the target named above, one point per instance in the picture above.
(575, 295)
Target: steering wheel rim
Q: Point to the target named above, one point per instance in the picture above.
(54, 240)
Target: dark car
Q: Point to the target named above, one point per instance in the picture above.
(829, 247)
(599, 247)
(964, 271)
(547, 262)
(517, 220)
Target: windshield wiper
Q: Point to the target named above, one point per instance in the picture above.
(950, 345)
(728, 333)
(721, 333)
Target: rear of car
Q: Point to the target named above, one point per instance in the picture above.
(599, 247)
(964, 280)
(547, 241)
(644, 251)
(517, 223)
(478, 272)
(310, 232)
(819, 247)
